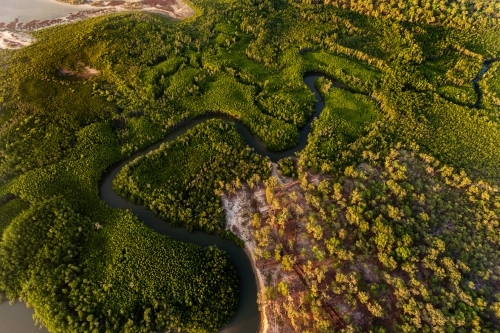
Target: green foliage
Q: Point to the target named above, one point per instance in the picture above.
(226, 234)
(353, 74)
(60, 132)
(344, 119)
(47, 261)
(77, 175)
(30, 259)
(182, 285)
(225, 94)
(490, 88)
(476, 14)
(181, 180)
(399, 238)
(458, 95)
(461, 136)
(286, 167)
(9, 210)
(42, 137)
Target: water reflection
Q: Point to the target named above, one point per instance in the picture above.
(13, 319)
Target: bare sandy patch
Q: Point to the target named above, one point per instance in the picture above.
(240, 208)
(255, 216)
(172, 8)
(85, 73)
(237, 210)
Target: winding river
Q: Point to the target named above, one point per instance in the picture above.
(475, 81)
(247, 320)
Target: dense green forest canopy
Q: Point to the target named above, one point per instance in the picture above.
(460, 14)
(407, 71)
(182, 180)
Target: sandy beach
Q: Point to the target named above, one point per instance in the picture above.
(13, 34)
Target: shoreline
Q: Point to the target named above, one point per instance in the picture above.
(264, 323)
(239, 211)
(236, 209)
(10, 40)
(240, 207)
(13, 35)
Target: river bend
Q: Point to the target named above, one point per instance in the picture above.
(247, 319)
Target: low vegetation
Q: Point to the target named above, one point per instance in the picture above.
(9, 209)
(405, 75)
(112, 275)
(182, 180)
(344, 119)
(490, 87)
(398, 243)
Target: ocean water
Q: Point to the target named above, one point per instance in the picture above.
(17, 318)
(28, 10)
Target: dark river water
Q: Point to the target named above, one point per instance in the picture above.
(475, 82)
(17, 318)
(247, 319)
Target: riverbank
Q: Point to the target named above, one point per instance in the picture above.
(238, 217)
(240, 208)
(13, 34)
